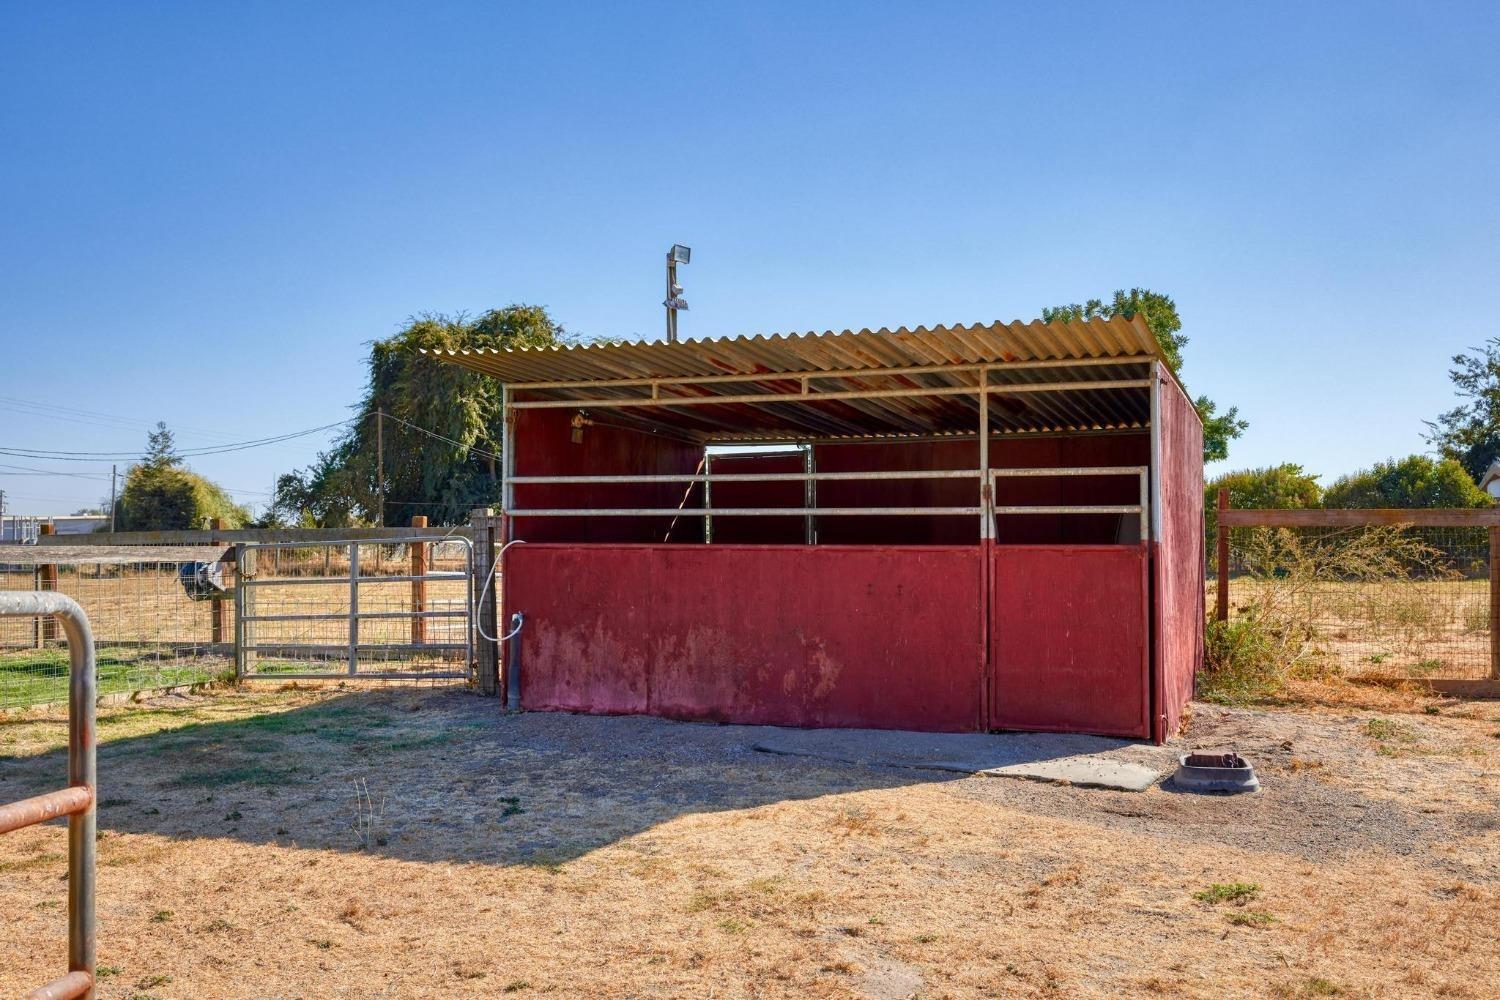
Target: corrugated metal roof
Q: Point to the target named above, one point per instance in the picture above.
(1112, 350)
(798, 352)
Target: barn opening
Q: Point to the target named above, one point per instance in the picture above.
(958, 528)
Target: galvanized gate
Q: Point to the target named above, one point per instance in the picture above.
(355, 608)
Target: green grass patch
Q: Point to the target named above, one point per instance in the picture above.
(40, 676)
(1251, 918)
(1228, 892)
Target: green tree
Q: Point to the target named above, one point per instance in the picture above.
(1414, 481)
(441, 432)
(1470, 432)
(1278, 487)
(161, 447)
(1160, 314)
(161, 495)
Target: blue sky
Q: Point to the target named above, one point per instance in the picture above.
(207, 211)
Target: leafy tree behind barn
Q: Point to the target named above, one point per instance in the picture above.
(1160, 314)
(161, 494)
(1470, 432)
(441, 436)
(1414, 481)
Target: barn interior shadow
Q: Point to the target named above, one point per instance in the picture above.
(433, 776)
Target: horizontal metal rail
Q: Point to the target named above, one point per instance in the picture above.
(41, 808)
(77, 800)
(807, 395)
(343, 616)
(1096, 470)
(750, 477)
(1141, 510)
(391, 675)
(984, 367)
(302, 581)
(744, 511)
(1128, 508)
(319, 649)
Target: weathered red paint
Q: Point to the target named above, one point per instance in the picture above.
(889, 622)
(883, 637)
(1069, 639)
(1178, 560)
(544, 446)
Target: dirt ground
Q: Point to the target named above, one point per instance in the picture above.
(629, 857)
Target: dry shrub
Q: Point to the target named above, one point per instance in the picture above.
(1300, 591)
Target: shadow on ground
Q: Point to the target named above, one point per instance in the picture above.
(440, 775)
(432, 775)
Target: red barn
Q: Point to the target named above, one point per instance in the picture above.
(948, 529)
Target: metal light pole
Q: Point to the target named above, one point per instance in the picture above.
(679, 254)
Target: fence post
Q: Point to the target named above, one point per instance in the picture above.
(47, 629)
(215, 605)
(1221, 536)
(487, 652)
(1494, 603)
(244, 607)
(418, 587)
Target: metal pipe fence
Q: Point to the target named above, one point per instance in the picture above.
(355, 609)
(78, 801)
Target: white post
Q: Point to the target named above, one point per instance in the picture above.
(986, 489)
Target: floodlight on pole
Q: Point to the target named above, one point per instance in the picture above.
(679, 254)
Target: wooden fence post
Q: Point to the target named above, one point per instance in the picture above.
(47, 630)
(1494, 603)
(1221, 536)
(486, 651)
(418, 552)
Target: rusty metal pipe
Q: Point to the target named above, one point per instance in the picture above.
(82, 775)
(41, 808)
(69, 987)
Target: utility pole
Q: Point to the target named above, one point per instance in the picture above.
(380, 463)
(2, 516)
(112, 469)
(679, 254)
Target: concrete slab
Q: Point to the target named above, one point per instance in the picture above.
(1086, 761)
(1085, 772)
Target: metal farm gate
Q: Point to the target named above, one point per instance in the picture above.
(355, 608)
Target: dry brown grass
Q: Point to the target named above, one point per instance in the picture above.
(633, 881)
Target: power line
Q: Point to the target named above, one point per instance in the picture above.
(97, 418)
(441, 437)
(26, 470)
(94, 456)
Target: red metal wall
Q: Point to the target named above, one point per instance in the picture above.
(544, 446)
(1048, 452)
(789, 530)
(1179, 559)
(1070, 639)
(784, 635)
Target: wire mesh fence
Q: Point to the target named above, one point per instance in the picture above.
(1402, 601)
(165, 617)
(150, 631)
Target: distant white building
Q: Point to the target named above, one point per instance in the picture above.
(1491, 481)
(24, 528)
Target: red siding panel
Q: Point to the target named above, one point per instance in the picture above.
(1179, 558)
(881, 637)
(544, 446)
(1069, 639)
